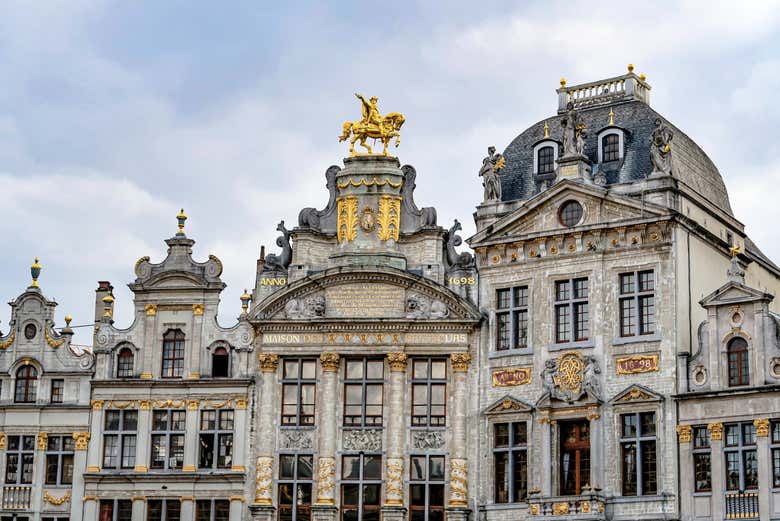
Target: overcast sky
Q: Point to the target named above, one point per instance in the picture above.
(113, 115)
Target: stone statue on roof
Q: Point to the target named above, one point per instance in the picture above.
(661, 149)
(491, 178)
(574, 133)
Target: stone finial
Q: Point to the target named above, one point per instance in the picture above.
(35, 272)
(268, 362)
(245, 299)
(630, 68)
(181, 218)
(563, 82)
(330, 362)
(397, 361)
(684, 433)
(460, 362)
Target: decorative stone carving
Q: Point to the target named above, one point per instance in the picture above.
(661, 149)
(397, 361)
(310, 217)
(43, 440)
(418, 306)
(574, 133)
(457, 260)
(394, 482)
(264, 480)
(458, 482)
(329, 361)
(570, 376)
(282, 261)
(268, 362)
(491, 179)
(362, 440)
(460, 362)
(426, 217)
(428, 440)
(82, 440)
(716, 431)
(326, 481)
(56, 500)
(311, 307)
(762, 427)
(296, 439)
(684, 433)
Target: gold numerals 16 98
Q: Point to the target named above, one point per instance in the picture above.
(462, 281)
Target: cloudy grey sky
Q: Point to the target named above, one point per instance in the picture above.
(114, 114)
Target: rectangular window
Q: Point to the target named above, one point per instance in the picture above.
(741, 456)
(116, 510)
(363, 389)
(572, 319)
(510, 462)
(637, 303)
(57, 389)
(546, 160)
(702, 460)
(426, 488)
(512, 318)
(775, 443)
(119, 437)
(298, 391)
(296, 477)
(429, 397)
(216, 439)
(59, 460)
(361, 487)
(163, 510)
(610, 147)
(168, 428)
(19, 454)
(212, 510)
(638, 454)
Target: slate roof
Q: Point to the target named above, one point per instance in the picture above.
(689, 162)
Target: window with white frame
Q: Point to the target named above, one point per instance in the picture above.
(19, 454)
(212, 510)
(59, 460)
(545, 155)
(116, 510)
(610, 143)
(163, 510)
(120, 428)
(638, 454)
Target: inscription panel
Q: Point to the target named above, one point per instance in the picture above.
(355, 301)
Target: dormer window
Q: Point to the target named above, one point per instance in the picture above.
(26, 384)
(738, 366)
(545, 156)
(610, 144)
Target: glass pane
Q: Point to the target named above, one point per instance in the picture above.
(371, 495)
(290, 369)
(435, 496)
(286, 466)
(375, 369)
(350, 467)
(501, 477)
(438, 369)
(629, 425)
(208, 420)
(417, 495)
(648, 423)
(649, 481)
(308, 369)
(130, 421)
(372, 467)
(305, 466)
(354, 394)
(436, 467)
(285, 493)
(629, 470)
(418, 468)
(112, 420)
(354, 369)
(732, 435)
(502, 298)
(519, 435)
(160, 420)
(501, 435)
(374, 394)
(420, 369)
(349, 495)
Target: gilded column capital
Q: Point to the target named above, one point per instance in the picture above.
(716, 431)
(240, 403)
(144, 405)
(2, 441)
(197, 309)
(82, 440)
(460, 362)
(268, 362)
(97, 405)
(397, 361)
(192, 405)
(684, 433)
(329, 362)
(762, 427)
(43, 441)
(151, 310)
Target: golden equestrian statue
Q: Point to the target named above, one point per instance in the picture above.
(373, 125)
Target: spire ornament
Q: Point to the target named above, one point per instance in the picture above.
(546, 130)
(35, 272)
(611, 115)
(181, 218)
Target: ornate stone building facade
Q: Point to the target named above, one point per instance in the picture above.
(612, 352)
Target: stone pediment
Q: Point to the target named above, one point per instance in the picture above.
(361, 293)
(508, 404)
(636, 393)
(734, 292)
(540, 214)
(179, 270)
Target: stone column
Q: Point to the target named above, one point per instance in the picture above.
(547, 456)
(142, 436)
(39, 468)
(239, 435)
(139, 508)
(191, 436)
(150, 339)
(196, 347)
(77, 488)
(596, 450)
(236, 508)
(718, 472)
(96, 438)
(457, 508)
(325, 506)
(764, 468)
(686, 471)
(264, 478)
(187, 508)
(91, 508)
(393, 508)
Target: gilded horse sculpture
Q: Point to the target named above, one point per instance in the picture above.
(373, 125)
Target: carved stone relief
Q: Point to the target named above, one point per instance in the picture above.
(296, 439)
(428, 439)
(367, 440)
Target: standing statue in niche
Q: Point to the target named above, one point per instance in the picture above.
(574, 133)
(661, 149)
(454, 259)
(590, 379)
(491, 178)
(282, 261)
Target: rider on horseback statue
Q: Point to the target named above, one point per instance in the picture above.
(373, 125)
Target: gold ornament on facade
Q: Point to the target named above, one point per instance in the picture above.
(389, 219)
(181, 218)
(458, 483)
(534, 509)
(635, 394)
(56, 500)
(637, 364)
(569, 374)
(546, 130)
(611, 121)
(326, 484)
(367, 219)
(375, 181)
(561, 508)
(2, 441)
(192, 405)
(97, 405)
(151, 310)
(460, 362)
(81, 439)
(762, 427)
(238, 468)
(35, 270)
(168, 404)
(716, 431)
(511, 377)
(372, 126)
(241, 404)
(144, 405)
(585, 506)
(264, 480)
(8, 341)
(394, 482)
(43, 441)
(330, 362)
(347, 211)
(108, 301)
(268, 362)
(197, 309)
(397, 361)
(51, 341)
(684, 433)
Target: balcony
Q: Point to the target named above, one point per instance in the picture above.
(585, 506)
(742, 505)
(16, 497)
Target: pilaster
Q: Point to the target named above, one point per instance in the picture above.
(764, 468)
(597, 450)
(90, 508)
(458, 497)
(77, 488)
(718, 472)
(269, 362)
(685, 458)
(93, 462)
(191, 436)
(239, 439)
(139, 508)
(236, 508)
(394, 462)
(142, 438)
(326, 463)
(188, 508)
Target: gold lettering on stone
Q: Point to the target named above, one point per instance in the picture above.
(437, 338)
(292, 338)
(378, 300)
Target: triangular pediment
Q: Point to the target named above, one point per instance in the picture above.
(508, 404)
(732, 293)
(636, 393)
(540, 214)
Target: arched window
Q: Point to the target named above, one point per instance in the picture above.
(173, 354)
(26, 384)
(739, 370)
(124, 363)
(610, 147)
(220, 363)
(546, 160)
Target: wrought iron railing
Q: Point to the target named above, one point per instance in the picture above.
(742, 505)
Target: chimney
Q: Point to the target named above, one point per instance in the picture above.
(103, 290)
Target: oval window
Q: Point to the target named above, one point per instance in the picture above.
(570, 213)
(29, 331)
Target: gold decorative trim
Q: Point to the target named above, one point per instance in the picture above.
(762, 427)
(2, 441)
(138, 498)
(119, 404)
(561, 508)
(397, 361)
(716, 431)
(168, 404)
(269, 362)
(145, 376)
(194, 376)
(197, 309)
(511, 377)
(49, 340)
(144, 405)
(389, 219)
(89, 498)
(637, 364)
(187, 498)
(97, 405)
(151, 310)
(216, 405)
(684, 433)
(141, 468)
(82, 440)
(241, 404)
(56, 500)
(238, 468)
(43, 441)
(188, 468)
(347, 211)
(329, 362)
(264, 480)
(375, 181)
(93, 468)
(9, 340)
(236, 498)
(460, 362)
(192, 405)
